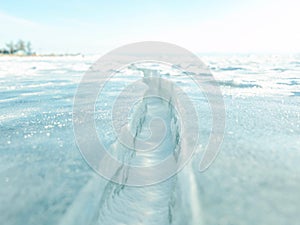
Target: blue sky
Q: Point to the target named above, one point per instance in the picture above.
(92, 26)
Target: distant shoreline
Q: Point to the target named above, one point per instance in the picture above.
(42, 55)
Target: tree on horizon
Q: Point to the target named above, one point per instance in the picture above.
(21, 45)
(11, 47)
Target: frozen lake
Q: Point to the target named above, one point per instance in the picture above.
(254, 180)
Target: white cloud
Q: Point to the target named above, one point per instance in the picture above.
(272, 28)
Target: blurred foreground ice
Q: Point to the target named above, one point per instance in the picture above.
(255, 179)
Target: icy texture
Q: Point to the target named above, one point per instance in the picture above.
(255, 179)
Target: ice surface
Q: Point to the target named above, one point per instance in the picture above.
(255, 179)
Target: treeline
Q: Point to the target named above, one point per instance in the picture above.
(19, 48)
